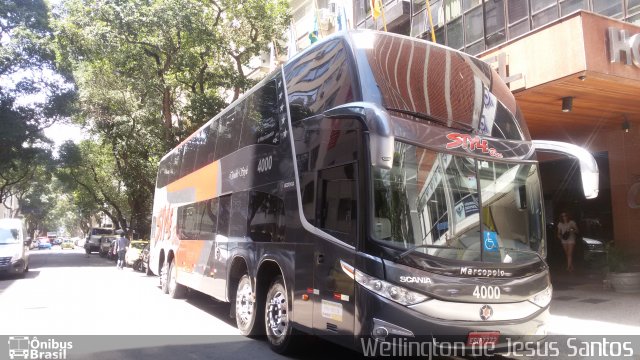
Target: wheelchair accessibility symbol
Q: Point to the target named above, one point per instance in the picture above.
(490, 241)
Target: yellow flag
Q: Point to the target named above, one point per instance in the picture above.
(375, 9)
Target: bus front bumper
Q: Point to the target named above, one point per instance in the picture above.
(383, 320)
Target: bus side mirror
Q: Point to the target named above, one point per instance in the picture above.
(381, 150)
(381, 138)
(588, 166)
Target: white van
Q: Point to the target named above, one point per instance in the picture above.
(14, 247)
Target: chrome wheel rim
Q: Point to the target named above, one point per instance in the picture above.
(277, 316)
(172, 278)
(244, 304)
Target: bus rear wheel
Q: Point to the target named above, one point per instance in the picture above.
(164, 277)
(175, 290)
(247, 316)
(277, 323)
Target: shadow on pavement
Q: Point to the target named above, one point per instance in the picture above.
(223, 347)
(59, 258)
(8, 279)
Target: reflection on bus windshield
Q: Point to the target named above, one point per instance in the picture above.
(472, 209)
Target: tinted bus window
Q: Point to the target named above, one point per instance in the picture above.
(173, 166)
(320, 144)
(337, 212)
(190, 149)
(228, 131)
(169, 169)
(238, 222)
(163, 178)
(188, 222)
(266, 214)
(224, 211)
(206, 149)
(260, 125)
(320, 80)
(209, 219)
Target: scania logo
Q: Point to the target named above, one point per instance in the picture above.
(415, 279)
(486, 312)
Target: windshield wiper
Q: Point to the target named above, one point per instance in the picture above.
(410, 250)
(522, 251)
(431, 118)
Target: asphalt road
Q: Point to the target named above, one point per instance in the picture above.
(68, 296)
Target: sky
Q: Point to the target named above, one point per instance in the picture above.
(60, 133)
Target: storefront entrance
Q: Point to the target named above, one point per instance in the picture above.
(563, 193)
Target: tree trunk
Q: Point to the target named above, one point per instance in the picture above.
(166, 112)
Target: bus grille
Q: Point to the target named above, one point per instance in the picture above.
(5, 261)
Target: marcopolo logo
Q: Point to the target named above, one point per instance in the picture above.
(32, 348)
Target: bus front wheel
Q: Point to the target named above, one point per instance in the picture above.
(247, 315)
(277, 321)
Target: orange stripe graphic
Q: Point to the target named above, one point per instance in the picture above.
(206, 182)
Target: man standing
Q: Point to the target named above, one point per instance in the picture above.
(121, 247)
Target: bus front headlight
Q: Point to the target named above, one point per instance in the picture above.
(390, 291)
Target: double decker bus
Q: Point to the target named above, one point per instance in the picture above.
(375, 186)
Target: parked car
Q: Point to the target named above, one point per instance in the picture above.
(145, 259)
(14, 249)
(133, 255)
(44, 243)
(67, 244)
(92, 242)
(105, 245)
(594, 252)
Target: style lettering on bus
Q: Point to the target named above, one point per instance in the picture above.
(163, 224)
(471, 143)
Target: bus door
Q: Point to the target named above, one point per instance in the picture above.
(336, 214)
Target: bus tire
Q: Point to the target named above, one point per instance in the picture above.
(280, 332)
(164, 277)
(176, 291)
(247, 316)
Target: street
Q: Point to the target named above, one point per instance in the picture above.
(67, 292)
(69, 296)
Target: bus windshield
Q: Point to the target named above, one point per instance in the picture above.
(458, 207)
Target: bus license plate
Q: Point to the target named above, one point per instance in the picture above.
(483, 338)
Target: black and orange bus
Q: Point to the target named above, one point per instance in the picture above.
(375, 186)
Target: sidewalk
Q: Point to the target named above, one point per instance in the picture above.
(582, 305)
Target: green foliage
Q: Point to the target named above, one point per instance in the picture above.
(32, 93)
(87, 171)
(148, 74)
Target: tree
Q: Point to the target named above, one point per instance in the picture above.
(33, 95)
(87, 171)
(159, 70)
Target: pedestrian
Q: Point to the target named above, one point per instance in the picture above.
(567, 234)
(121, 247)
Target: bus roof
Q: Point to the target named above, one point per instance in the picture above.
(408, 76)
(418, 80)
